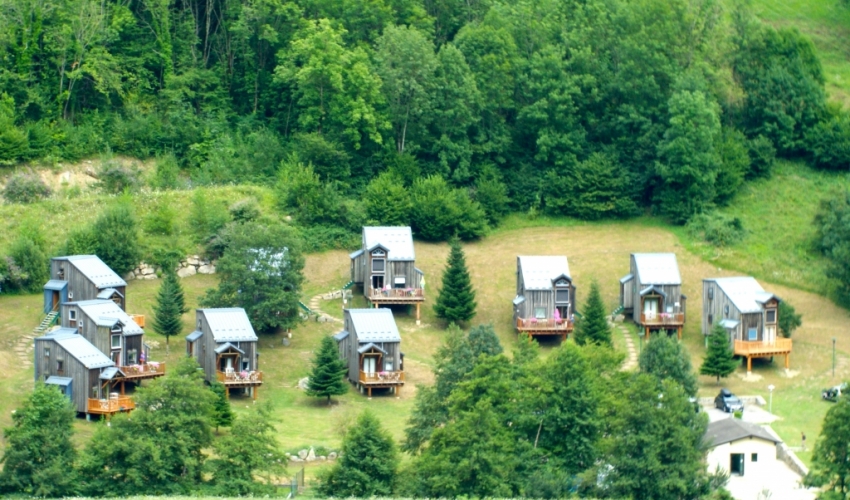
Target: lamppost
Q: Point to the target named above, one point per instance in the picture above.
(770, 389)
(833, 357)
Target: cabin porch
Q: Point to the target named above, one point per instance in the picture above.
(380, 380)
(762, 349)
(535, 326)
(143, 371)
(662, 321)
(116, 403)
(397, 296)
(241, 380)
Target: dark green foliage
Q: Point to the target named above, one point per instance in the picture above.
(719, 359)
(653, 446)
(833, 239)
(387, 201)
(789, 320)
(596, 188)
(207, 218)
(716, 228)
(117, 241)
(245, 210)
(666, 359)
(327, 377)
(39, 456)
(167, 175)
(367, 467)
(249, 451)
(222, 412)
(592, 327)
(440, 211)
(456, 299)
(831, 459)
(492, 194)
(733, 153)
(261, 272)
(829, 142)
(115, 177)
(762, 157)
(25, 188)
(169, 308)
(160, 449)
(161, 220)
(80, 241)
(483, 340)
(25, 269)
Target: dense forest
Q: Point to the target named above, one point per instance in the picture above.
(463, 110)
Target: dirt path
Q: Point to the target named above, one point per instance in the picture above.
(631, 361)
(315, 306)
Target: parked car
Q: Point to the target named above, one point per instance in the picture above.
(728, 402)
(833, 393)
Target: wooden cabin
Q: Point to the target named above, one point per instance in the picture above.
(82, 277)
(749, 314)
(545, 296)
(82, 372)
(225, 345)
(652, 293)
(115, 333)
(371, 345)
(385, 268)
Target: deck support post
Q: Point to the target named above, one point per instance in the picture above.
(227, 393)
(786, 361)
(646, 333)
(417, 314)
(679, 331)
(749, 365)
(122, 387)
(369, 388)
(254, 392)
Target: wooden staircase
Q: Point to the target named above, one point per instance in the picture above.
(48, 321)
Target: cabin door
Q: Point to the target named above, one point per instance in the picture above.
(369, 364)
(769, 334)
(377, 281)
(55, 300)
(650, 307)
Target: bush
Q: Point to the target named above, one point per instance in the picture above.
(25, 188)
(25, 268)
(762, 157)
(593, 189)
(167, 175)
(245, 210)
(117, 242)
(829, 143)
(161, 221)
(716, 228)
(81, 241)
(115, 178)
(319, 238)
(440, 212)
(206, 218)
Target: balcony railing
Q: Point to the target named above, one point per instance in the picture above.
(112, 405)
(139, 319)
(760, 348)
(534, 324)
(411, 294)
(151, 369)
(673, 319)
(381, 378)
(240, 378)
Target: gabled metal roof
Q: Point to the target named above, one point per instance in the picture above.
(95, 270)
(230, 324)
(374, 325)
(744, 292)
(77, 346)
(653, 288)
(519, 299)
(729, 430)
(111, 373)
(729, 323)
(227, 346)
(370, 345)
(55, 285)
(398, 240)
(107, 313)
(107, 293)
(341, 336)
(194, 335)
(354, 255)
(657, 269)
(627, 278)
(538, 271)
(61, 381)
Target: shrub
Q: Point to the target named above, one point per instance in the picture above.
(25, 188)
(829, 143)
(716, 228)
(25, 268)
(245, 210)
(114, 178)
(593, 189)
(81, 241)
(440, 212)
(167, 175)
(319, 238)
(161, 221)
(206, 218)
(117, 242)
(762, 157)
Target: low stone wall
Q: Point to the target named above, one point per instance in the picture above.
(189, 266)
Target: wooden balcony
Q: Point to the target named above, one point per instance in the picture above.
(139, 319)
(759, 349)
(397, 295)
(662, 320)
(534, 326)
(382, 379)
(115, 404)
(152, 369)
(240, 379)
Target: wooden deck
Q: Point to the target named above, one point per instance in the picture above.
(397, 295)
(110, 406)
(139, 319)
(240, 379)
(760, 349)
(534, 326)
(662, 321)
(143, 371)
(381, 380)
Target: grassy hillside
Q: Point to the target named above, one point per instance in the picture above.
(827, 23)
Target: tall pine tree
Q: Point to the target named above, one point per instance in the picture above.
(719, 358)
(456, 300)
(326, 378)
(593, 327)
(222, 412)
(169, 308)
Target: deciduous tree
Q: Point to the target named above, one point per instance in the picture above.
(831, 459)
(789, 320)
(665, 358)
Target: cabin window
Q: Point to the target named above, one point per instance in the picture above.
(132, 356)
(70, 295)
(61, 273)
(378, 265)
(726, 311)
(116, 341)
(378, 253)
(754, 457)
(81, 324)
(562, 296)
(246, 366)
(388, 365)
(752, 334)
(46, 352)
(710, 293)
(710, 319)
(399, 282)
(60, 366)
(540, 312)
(770, 316)
(72, 314)
(116, 328)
